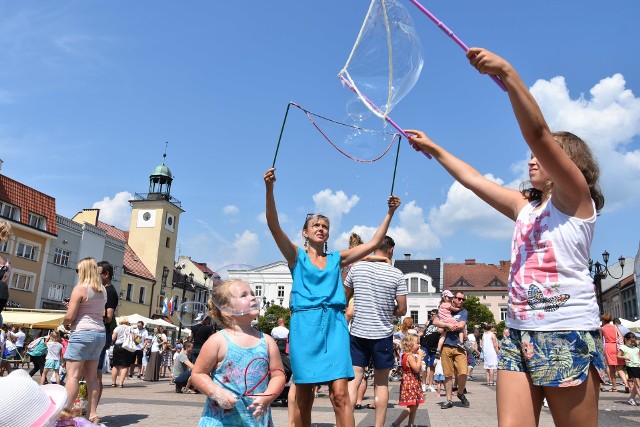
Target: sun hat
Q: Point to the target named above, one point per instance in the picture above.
(447, 293)
(43, 404)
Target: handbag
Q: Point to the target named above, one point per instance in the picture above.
(128, 343)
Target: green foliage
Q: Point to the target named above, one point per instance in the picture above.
(478, 312)
(269, 320)
(499, 329)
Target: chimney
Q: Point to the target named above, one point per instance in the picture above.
(469, 262)
(504, 265)
(407, 256)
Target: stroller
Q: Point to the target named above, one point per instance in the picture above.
(283, 397)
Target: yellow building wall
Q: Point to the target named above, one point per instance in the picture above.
(33, 268)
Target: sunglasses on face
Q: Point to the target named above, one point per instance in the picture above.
(458, 298)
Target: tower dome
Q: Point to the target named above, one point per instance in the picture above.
(160, 181)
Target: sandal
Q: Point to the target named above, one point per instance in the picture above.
(114, 385)
(358, 406)
(370, 406)
(94, 420)
(121, 386)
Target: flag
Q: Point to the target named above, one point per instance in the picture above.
(165, 305)
(171, 308)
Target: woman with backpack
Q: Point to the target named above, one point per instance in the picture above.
(37, 351)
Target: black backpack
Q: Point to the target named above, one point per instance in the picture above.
(430, 338)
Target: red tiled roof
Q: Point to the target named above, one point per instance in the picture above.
(29, 200)
(132, 264)
(203, 267)
(476, 276)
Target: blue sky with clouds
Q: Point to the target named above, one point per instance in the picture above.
(90, 91)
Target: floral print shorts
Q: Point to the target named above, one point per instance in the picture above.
(553, 359)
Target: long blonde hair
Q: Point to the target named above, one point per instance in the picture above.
(5, 230)
(221, 296)
(88, 274)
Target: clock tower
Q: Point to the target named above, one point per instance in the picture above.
(153, 231)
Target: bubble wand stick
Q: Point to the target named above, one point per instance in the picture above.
(455, 38)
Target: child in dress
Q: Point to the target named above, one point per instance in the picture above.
(438, 376)
(52, 361)
(631, 355)
(410, 390)
(445, 315)
(220, 369)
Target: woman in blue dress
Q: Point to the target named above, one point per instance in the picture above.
(318, 337)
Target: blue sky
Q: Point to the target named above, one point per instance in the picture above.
(91, 90)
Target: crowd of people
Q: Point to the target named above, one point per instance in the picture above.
(552, 308)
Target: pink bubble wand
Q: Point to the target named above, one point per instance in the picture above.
(455, 38)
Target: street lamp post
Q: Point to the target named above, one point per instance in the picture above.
(600, 271)
(185, 279)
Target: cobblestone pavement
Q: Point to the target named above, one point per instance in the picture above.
(142, 403)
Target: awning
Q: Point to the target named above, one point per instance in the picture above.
(632, 326)
(36, 319)
(135, 318)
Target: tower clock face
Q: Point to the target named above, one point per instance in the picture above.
(146, 219)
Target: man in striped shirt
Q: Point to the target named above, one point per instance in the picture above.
(380, 294)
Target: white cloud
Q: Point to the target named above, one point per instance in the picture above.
(230, 210)
(463, 210)
(334, 205)
(609, 121)
(116, 211)
(262, 217)
(411, 233)
(246, 247)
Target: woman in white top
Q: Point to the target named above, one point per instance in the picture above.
(122, 358)
(84, 319)
(490, 349)
(152, 373)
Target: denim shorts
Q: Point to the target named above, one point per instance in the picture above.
(378, 351)
(85, 345)
(429, 357)
(52, 364)
(555, 358)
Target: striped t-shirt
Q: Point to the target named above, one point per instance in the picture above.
(375, 287)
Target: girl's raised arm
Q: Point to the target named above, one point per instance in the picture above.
(505, 200)
(354, 254)
(570, 189)
(288, 249)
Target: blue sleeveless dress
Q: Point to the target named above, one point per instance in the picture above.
(230, 374)
(318, 335)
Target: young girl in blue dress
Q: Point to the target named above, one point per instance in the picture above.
(221, 367)
(318, 337)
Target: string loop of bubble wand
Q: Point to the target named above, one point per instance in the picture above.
(455, 38)
(376, 108)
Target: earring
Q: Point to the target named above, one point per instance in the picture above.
(326, 247)
(306, 243)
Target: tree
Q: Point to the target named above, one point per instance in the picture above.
(270, 318)
(478, 312)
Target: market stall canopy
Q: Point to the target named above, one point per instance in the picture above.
(632, 326)
(135, 318)
(35, 319)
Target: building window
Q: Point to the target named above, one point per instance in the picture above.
(424, 285)
(61, 257)
(37, 221)
(129, 291)
(4, 246)
(258, 290)
(484, 297)
(56, 291)
(9, 211)
(168, 242)
(503, 313)
(142, 292)
(23, 282)
(280, 291)
(414, 283)
(503, 296)
(414, 316)
(25, 250)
